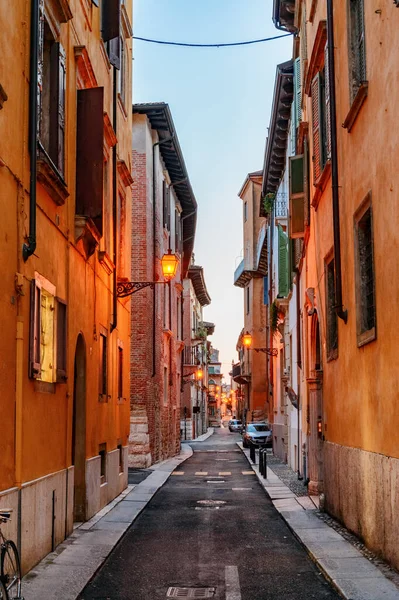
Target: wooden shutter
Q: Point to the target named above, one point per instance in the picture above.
(57, 105)
(110, 17)
(165, 204)
(316, 128)
(327, 101)
(297, 92)
(114, 49)
(90, 155)
(283, 280)
(40, 66)
(34, 331)
(297, 205)
(177, 231)
(61, 364)
(292, 128)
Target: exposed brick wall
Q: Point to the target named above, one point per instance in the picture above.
(162, 404)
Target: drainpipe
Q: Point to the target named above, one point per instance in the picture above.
(29, 248)
(154, 231)
(341, 313)
(114, 205)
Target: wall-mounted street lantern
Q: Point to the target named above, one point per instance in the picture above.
(247, 342)
(169, 263)
(198, 376)
(247, 339)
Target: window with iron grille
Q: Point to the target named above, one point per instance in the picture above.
(103, 366)
(365, 278)
(357, 49)
(332, 319)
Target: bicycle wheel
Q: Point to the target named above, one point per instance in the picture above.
(11, 569)
(3, 591)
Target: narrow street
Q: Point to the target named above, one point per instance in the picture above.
(210, 526)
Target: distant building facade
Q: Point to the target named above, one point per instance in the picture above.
(163, 219)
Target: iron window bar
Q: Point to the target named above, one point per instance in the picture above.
(268, 351)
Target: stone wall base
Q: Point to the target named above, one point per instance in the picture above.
(362, 491)
(186, 429)
(139, 440)
(280, 441)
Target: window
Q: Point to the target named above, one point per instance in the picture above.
(51, 96)
(103, 365)
(102, 451)
(166, 205)
(120, 370)
(165, 306)
(364, 272)
(357, 49)
(110, 20)
(178, 236)
(332, 319)
(297, 196)
(178, 319)
(245, 211)
(48, 333)
(247, 299)
(121, 462)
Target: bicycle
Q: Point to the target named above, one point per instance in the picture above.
(10, 565)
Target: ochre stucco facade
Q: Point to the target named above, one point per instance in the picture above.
(62, 439)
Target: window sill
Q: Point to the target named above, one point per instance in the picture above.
(44, 387)
(51, 180)
(357, 104)
(103, 398)
(332, 355)
(366, 337)
(122, 106)
(106, 262)
(86, 233)
(320, 184)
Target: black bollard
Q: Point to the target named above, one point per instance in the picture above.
(265, 463)
(252, 454)
(262, 461)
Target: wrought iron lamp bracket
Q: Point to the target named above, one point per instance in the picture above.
(127, 288)
(268, 351)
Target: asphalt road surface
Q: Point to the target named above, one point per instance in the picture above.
(209, 532)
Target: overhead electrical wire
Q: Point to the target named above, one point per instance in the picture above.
(165, 43)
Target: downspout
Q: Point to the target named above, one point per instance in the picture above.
(114, 206)
(341, 313)
(29, 248)
(154, 231)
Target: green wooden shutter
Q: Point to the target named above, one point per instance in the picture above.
(283, 279)
(306, 198)
(327, 102)
(316, 128)
(297, 92)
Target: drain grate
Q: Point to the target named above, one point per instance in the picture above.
(185, 592)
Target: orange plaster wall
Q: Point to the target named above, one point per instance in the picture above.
(360, 388)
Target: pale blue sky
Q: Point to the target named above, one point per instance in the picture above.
(220, 101)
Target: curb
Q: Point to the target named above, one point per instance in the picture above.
(342, 565)
(44, 580)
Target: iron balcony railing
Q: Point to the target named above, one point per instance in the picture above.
(191, 355)
(281, 205)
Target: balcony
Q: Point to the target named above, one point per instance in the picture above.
(280, 205)
(238, 374)
(191, 356)
(243, 275)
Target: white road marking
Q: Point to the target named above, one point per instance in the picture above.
(233, 591)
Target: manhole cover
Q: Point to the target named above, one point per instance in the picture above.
(211, 502)
(184, 592)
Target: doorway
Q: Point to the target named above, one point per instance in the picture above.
(315, 387)
(79, 431)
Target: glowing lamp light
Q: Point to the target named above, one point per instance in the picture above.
(217, 388)
(247, 339)
(169, 264)
(199, 374)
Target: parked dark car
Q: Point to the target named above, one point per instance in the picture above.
(235, 425)
(258, 434)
